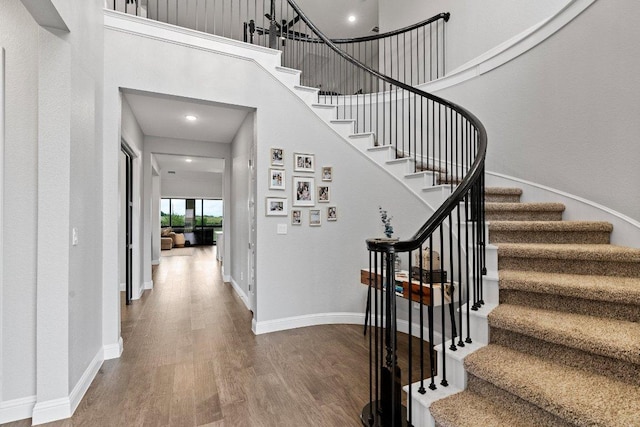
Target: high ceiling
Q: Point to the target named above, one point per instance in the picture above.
(331, 16)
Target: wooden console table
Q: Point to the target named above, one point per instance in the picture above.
(402, 279)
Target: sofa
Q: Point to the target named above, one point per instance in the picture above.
(170, 239)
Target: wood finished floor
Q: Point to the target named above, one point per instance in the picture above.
(190, 359)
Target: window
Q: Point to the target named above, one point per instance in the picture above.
(212, 212)
(165, 212)
(207, 213)
(178, 209)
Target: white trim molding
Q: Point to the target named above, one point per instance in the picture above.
(147, 286)
(16, 409)
(113, 351)
(510, 49)
(267, 326)
(85, 381)
(51, 410)
(626, 230)
(242, 294)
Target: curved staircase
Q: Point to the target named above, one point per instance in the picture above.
(564, 342)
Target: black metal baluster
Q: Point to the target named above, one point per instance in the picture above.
(443, 381)
(432, 359)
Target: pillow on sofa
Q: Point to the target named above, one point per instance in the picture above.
(165, 232)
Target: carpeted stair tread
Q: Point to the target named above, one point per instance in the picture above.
(468, 409)
(597, 252)
(623, 290)
(516, 211)
(503, 190)
(580, 397)
(556, 232)
(529, 207)
(554, 226)
(606, 337)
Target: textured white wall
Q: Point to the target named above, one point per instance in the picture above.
(565, 114)
(474, 27)
(184, 184)
(237, 224)
(19, 37)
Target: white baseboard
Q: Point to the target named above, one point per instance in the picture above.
(268, 326)
(85, 381)
(140, 291)
(113, 351)
(51, 410)
(148, 285)
(275, 325)
(242, 294)
(123, 287)
(155, 262)
(16, 409)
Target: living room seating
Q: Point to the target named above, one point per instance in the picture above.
(170, 239)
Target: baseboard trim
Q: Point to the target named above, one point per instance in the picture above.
(113, 351)
(148, 285)
(155, 262)
(242, 294)
(17, 409)
(123, 287)
(319, 319)
(51, 410)
(294, 322)
(86, 379)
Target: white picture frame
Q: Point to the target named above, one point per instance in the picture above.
(277, 157)
(304, 191)
(296, 217)
(332, 213)
(324, 194)
(315, 218)
(276, 206)
(277, 179)
(304, 162)
(327, 173)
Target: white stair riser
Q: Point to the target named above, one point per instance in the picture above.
(309, 97)
(287, 77)
(325, 113)
(343, 128)
(434, 196)
(380, 155)
(362, 143)
(400, 169)
(456, 375)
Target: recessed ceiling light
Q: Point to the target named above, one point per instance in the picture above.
(188, 160)
(351, 18)
(191, 118)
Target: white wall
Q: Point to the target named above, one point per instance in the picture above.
(237, 224)
(309, 270)
(474, 27)
(195, 185)
(51, 290)
(565, 114)
(19, 36)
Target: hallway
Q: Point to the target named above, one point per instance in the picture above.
(190, 359)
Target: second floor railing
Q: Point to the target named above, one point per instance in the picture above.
(413, 55)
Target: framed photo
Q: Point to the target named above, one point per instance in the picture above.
(323, 194)
(314, 217)
(296, 217)
(303, 162)
(304, 190)
(277, 206)
(332, 213)
(276, 179)
(327, 173)
(277, 157)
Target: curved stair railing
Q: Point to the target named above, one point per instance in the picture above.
(435, 141)
(447, 143)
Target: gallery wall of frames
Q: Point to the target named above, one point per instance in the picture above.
(310, 191)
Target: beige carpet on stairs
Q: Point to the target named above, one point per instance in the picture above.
(565, 340)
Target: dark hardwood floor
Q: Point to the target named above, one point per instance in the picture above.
(190, 359)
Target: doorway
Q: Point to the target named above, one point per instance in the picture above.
(128, 220)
